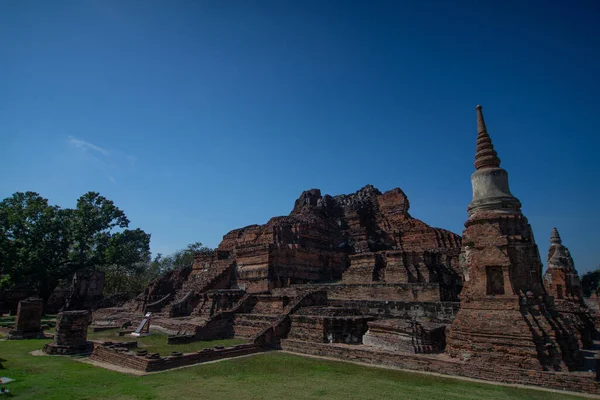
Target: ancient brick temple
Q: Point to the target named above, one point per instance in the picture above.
(356, 277)
(28, 322)
(562, 282)
(505, 315)
(367, 237)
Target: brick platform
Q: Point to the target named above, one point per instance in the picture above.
(115, 354)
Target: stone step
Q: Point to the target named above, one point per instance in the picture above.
(250, 318)
(246, 326)
(246, 332)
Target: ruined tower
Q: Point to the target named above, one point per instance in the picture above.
(506, 316)
(561, 279)
(562, 282)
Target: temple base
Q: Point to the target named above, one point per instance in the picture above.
(502, 331)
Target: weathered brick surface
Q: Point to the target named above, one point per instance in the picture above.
(505, 317)
(408, 292)
(425, 266)
(116, 316)
(314, 241)
(391, 266)
(443, 312)
(322, 325)
(367, 237)
(406, 336)
(270, 336)
(561, 281)
(116, 355)
(214, 301)
(86, 290)
(28, 321)
(71, 333)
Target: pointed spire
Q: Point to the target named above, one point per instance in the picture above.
(486, 156)
(555, 237)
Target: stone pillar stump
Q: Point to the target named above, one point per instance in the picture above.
(28, 322)
(71, 333)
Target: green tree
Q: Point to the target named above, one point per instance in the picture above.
(91, 226)
(41, 244)
(590, 282)
(34, 243)
(127, 262)
(179, 259)
(100, 240)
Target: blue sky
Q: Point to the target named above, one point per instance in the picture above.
(200, 117)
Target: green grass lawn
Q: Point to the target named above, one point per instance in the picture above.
(157, 342)
(272, 375)
(10, 319)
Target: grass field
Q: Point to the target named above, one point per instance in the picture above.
(7, 321)
(272, 375)
(157, 342)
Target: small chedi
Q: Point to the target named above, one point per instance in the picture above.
(505, 315)
(71, 333)
(28, 321)
(562, 282)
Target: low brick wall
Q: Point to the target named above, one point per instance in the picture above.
(571, 381)
(147, 364)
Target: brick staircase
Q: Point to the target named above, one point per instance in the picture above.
(204, 280)
(246, 326)
(197, 283)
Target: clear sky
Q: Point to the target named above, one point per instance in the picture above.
(198, 117)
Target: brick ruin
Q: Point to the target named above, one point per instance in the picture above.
(562, 282)
(71, 333)
(357, 277)
(363, 253)
(86, 290)
(28, 324)
(505, 316)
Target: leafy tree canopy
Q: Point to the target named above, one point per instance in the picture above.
(179, 259)
(34, 243)
(590, 282)
(41, 244)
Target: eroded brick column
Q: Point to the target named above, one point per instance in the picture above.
(71, 333)
(28, 322)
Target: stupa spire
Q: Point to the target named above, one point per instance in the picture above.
(489, 181)
(485, 156)
(555, 237)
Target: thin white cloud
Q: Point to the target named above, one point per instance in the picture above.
(82, 144)
(110, 162)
